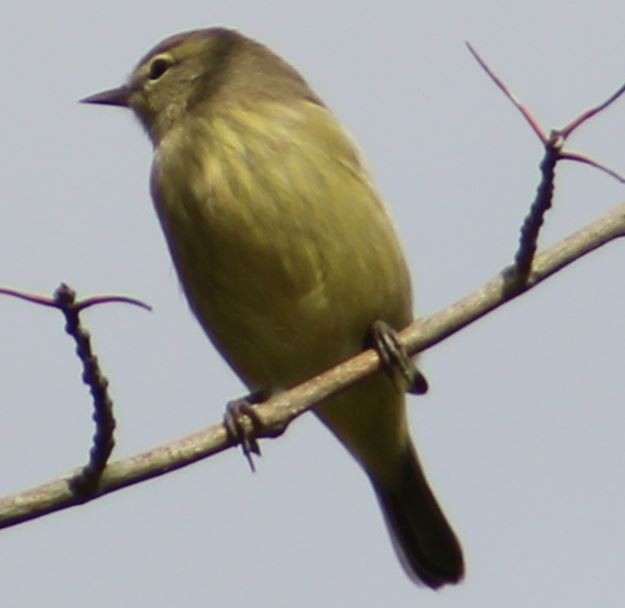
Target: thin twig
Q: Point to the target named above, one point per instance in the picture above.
(84, 484)
(580, 158)
(82, 305)
(97, 300)
(29, 297)
(528, 240)
(533, 123)
(565, 132)
(554, 144)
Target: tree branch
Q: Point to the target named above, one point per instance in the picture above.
(279, 411)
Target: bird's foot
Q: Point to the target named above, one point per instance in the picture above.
(398, 365)
(236, 411)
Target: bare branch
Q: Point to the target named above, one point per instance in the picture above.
(29, 297)
(97, 300)
(554, 144)
(528, 241)
(279, 411)
(588, 114)
(84, 484)
(585, 160)
(533, 123)
(82, 305)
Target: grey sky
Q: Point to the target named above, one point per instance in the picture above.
(522, 432)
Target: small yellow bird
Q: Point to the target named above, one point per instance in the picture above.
(285, 251)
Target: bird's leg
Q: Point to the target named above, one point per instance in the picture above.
(238, 431)
(396, 362)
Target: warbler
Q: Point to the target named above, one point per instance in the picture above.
(286, 252)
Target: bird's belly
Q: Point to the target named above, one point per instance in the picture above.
(285, 260)
(274, 317)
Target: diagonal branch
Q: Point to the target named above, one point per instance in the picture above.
(279, 411)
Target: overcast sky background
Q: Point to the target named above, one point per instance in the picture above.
(522, 431)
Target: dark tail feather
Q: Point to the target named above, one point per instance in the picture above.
(424, 541)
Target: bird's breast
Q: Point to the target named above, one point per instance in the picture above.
(281, 244)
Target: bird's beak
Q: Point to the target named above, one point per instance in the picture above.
(112, 97)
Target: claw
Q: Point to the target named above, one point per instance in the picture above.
(233, 421)
(398, 365)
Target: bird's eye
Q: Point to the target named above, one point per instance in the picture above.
(158, 67)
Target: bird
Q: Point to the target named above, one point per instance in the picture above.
(286, 253)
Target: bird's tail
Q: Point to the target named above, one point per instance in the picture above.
(425, 543)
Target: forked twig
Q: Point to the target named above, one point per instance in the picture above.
(518, 274)
(85, 483)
